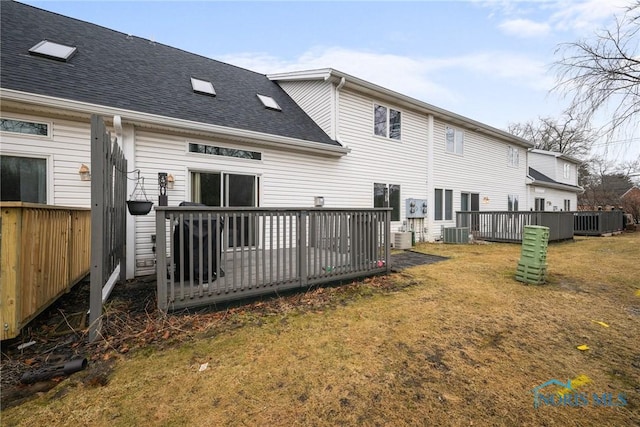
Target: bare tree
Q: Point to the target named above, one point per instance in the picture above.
(605, 72)
(569, 134)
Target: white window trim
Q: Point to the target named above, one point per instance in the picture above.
(48, 158)
(29, 135)
(513, 157)
(456, 130)
(215, 144)
(389, 108)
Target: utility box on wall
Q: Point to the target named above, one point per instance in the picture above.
(416, 208)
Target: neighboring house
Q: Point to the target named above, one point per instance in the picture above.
(631, 202)
(232, 137)
(552, 181)
(417, 149)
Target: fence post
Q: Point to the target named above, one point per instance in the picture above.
(161, 260)
(98, 158)
(302, 248)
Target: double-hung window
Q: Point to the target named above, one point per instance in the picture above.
(539, 204)
(512, 202)
(454, 140)
(513, 156)
(387, 196)
(386, 122)
(443, 208)
(567, 171)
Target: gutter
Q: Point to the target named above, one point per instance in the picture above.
(557, 186)
(136, 117)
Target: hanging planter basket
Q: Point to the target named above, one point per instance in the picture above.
(138, 206)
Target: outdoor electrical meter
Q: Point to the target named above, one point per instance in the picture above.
(416, 208)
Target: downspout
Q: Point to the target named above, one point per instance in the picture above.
(337, 110)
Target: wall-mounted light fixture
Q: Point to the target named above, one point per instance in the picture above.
(318, 201)
(170, 181)
(85, 173)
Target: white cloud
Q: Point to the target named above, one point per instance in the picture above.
(525, 28)
(424, 78)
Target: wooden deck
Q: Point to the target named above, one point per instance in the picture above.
(295, 248)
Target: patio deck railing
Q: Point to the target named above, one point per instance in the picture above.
(597, 223)
(44, 251)
(210, 255)
(508, 226)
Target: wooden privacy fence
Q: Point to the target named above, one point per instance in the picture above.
(44, 251)
(508, 226)
(597, 223)
(209, 255)
(108, 219)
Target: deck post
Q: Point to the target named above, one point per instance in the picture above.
(302, 247)
(387, 240)
(161, 259)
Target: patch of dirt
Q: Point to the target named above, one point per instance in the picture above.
(131, 321)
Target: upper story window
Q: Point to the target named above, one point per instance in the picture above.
(52, 50)
(386, 122)
(202, 86)
(513, 155)
(454, 140)
(222, 151)
(567, 171)
(20, 126)
(269, 102)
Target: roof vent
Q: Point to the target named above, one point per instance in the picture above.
(203, 86)
(52, 50)
(269, 102)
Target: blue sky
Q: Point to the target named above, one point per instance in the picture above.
(487, 60)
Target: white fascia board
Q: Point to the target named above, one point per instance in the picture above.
(557, 186)
(396, 97)
(136, 117)
(557, 155)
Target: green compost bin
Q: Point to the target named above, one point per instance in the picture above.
(532, 267)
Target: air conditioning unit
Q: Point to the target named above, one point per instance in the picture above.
(401, 240)
(456, 235)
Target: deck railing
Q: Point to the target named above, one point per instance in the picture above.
(508, 226)
(597, 223)
(210, 255)
(44, 251)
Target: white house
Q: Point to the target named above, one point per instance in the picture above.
(552, 181)
(232, 137)
(452, 162)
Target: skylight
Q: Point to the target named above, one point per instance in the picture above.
(52, 50)
(203, 86)
(269, 102)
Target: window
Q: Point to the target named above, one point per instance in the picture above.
(28, 128)
(512, 203)
(387, 196)
(269, 102)
(386, 122)
(439, 204)
(454, 140)
(567, 204)
(513, 155)
(539, 204)
(23, 179)
(51, 50)
(229, 190)
(567, 170)
(203, 86)
(221, 151)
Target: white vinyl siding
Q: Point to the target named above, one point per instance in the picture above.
(315, 98)
(481, 170)
(66, 149)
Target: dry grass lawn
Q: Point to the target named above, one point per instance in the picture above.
(463, 345)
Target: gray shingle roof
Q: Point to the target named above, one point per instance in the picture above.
(540, 177)
(116, 70)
